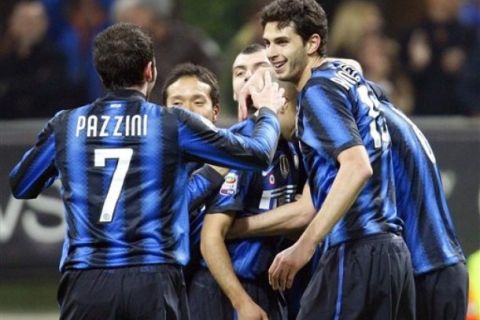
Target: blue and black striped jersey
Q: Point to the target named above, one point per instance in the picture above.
(245, 193)
(337, 110)
(421, 203)
(122, 164)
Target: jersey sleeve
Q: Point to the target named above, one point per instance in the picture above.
(36, 171)
(202, 184)
(328, 112)
(200, 140)
(232, 194)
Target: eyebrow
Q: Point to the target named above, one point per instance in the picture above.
(239, 67)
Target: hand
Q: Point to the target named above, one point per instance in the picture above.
(269, 95)
(250, 311)
(288, 262)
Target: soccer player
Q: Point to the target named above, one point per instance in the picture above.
(195, 88)
(441, 278)
(240, 267)
(121, 161)
(366, 271)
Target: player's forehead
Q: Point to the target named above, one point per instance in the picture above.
(188, 86)
(246, 60)
(272, 31)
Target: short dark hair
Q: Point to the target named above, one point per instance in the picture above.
(121, 53)
(307, 16)
(252, 48)
(193, 70)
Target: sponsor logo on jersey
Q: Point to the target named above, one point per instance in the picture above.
(229, 186)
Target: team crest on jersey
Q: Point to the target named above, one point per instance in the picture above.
(284, 166)
(229, 186)
(271, 179)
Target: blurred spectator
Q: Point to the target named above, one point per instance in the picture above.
(468, 87)
(84, 19)
(357, 33)
(434, 52)
(32, 82)
(58, 20)
(250, 32)
(175, 42)
(470, 15)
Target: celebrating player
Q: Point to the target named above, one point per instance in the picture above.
(346, 149)
(121, 161)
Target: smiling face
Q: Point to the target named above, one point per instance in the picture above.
(245, 66)
(191, 93)
(286, 51)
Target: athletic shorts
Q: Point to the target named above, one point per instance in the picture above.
(443, 294)
(208, 302)
(143, 292)
(367, 278)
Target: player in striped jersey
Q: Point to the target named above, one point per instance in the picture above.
(121, 161)
(240, 266)
(195, 88)
(346, 149)
(441, 278)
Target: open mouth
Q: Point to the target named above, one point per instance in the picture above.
(279, 65)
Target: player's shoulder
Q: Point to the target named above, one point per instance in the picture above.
(335, 74)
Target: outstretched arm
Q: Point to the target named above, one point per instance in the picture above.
(36, 171)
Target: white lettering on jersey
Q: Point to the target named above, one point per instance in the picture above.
(118, 126)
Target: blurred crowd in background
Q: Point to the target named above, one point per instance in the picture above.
(425, 54)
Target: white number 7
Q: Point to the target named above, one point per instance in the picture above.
(124, 156)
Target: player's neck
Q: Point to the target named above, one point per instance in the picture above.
(313, 62)
(141, 88)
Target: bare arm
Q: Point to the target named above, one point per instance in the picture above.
(214, 251)
(354, 172)
(281, 220)
(352, 175)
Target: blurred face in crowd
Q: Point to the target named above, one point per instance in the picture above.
(244, 67)
(28, 23)
(136, 15)
(194, 95)
(286, 51)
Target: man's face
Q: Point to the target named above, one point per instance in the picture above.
(245, 66)
(286, 51)
(192, 94)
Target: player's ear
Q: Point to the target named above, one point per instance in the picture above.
(216, 112)
(313, 43)
(149, 72)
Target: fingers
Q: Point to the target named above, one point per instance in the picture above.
(267, 78)
(272, 273)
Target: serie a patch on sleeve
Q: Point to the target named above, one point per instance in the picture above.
(229, 186)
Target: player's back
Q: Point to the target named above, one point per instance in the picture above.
(118, 159)
(421, 202)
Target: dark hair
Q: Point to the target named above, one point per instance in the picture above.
(121, 53)
(307, 16)
(252, 48)
(193, 70)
